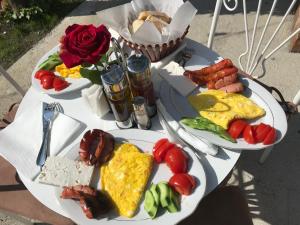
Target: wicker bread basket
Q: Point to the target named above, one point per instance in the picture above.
(159, 51)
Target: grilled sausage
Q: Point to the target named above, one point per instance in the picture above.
(225, 63)
(226, 81)
(233, 88)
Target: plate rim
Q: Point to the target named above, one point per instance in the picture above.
(161, 219)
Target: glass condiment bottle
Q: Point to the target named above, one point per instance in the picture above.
(118, 94)
(139, 74)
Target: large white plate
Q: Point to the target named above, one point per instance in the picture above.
(145, 141)
(178, 107)
(75, 84)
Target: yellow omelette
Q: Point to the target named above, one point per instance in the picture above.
(125, 176)
(221, 107)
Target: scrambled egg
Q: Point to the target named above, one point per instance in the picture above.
(125, 176)
(65, 72)
(221, 107)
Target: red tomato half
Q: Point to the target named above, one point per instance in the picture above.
(236, 128)
(183, 183)
(261, 132)
(40, 73)
(47, 81)
(176, 160)
(248, 134)
(59, 84)
(271, 137)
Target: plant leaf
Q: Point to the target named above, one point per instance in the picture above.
(92, 75)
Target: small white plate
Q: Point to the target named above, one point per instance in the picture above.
(145, 141)
(178, 107)
(75, 83)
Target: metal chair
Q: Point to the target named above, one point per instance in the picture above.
(253, 54)
(11, 81)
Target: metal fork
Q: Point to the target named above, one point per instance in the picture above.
(49, 114)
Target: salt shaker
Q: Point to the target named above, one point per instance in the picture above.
(140, 113)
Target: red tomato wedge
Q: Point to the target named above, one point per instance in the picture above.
(160, 152)
(40, 73)
(236, 128)
(47, 81)
(176, 160)
(261, 132)
(271, 137)
(183, 183)
(158, 144)
(248, 135)
(59, 84)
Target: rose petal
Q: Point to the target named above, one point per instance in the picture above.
(69, 59)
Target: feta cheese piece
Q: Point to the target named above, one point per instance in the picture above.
(173, 74)
(60, 171)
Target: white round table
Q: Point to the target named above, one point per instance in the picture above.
(216, 168)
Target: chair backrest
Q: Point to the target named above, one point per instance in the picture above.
(252, 52)
(11, 81)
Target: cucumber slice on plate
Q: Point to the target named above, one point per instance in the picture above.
(174, 203)
(164, 194)
(150, 205)
(154, 192)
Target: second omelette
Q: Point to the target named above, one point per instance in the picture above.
(125, 176)
(221, 107)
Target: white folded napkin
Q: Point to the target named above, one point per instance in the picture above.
(95, 99)
(20, 141)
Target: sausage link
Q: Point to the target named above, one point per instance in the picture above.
(220, 74)
(225, 63)
(233, 88)
(225, 81)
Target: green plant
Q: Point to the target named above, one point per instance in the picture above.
(24, 13)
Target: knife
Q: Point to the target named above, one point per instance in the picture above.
(198, 143)
(45, 106)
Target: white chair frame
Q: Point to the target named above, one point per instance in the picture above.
(11, 81)
(252, 59)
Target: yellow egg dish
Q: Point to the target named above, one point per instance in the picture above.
(221, 107)
(125, 176)
(65, 72)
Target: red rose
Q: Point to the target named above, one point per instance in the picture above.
(84, 43)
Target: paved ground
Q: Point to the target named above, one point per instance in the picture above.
(272, 189)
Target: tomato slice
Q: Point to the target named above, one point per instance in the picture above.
(161, 152)
(236, 128)
(59, 84)
(183, 183)
(248, 135)
(47, 81)
(261, 132)
(177, 160)
(271, 137)
(40, 73)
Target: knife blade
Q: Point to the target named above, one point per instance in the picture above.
(198, 143)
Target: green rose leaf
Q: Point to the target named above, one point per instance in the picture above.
(92, 75)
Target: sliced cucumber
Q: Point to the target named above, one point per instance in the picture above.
(154, 192)
(164, 197)
(150, 206)
(174, 203)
